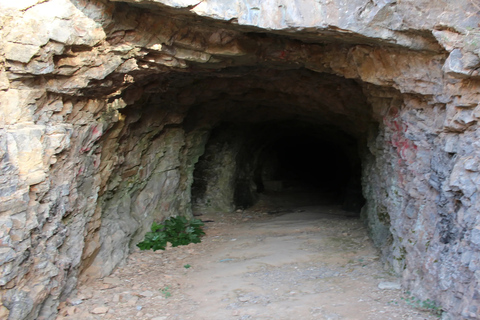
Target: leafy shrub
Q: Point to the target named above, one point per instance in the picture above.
(176, 230)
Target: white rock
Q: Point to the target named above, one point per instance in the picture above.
(389, 286)
(17, 4)
(146, 293)
(181, 3)
(20, 52)
(76, 302)
(100, 310)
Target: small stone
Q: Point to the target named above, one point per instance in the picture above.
(147, 293)
(159, 318)
(132, 301)
(85, 295)
(243, 299)
(389, 286)
(75, 302)
(84, 315)
(139, 308)
(70, 311)
(100, 310)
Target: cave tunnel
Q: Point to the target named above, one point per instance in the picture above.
(224, 138)
(220, 135)
(272, 131)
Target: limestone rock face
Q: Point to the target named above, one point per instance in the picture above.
(106, 108)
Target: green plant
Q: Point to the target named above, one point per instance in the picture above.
(176, 230)
(426, 305)
(187, 266)
(166, 292)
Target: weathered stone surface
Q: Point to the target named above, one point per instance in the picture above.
(106, 107)
(100, 310)
(20, 52)
(389, 286)
(10, 113)
(26, 152)
(214, 185)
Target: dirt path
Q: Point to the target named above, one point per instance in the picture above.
(312, 263)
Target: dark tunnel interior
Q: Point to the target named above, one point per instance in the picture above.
(310, 162)
(288, 159)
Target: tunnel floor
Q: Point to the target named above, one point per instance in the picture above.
(281, 259)
(298, 197)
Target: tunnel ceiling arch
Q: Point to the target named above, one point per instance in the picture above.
(252, 94)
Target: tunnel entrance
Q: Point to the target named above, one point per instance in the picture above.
(222, 140)
(272, 130)
(309, 164)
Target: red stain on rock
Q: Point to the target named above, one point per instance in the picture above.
(95, 133)
(405, 148)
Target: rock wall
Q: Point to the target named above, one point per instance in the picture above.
(214, 177)
(420, 217)
(105, 108)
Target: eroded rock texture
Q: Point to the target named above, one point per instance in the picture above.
(117, 113)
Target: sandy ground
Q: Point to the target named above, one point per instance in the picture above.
(303, 262)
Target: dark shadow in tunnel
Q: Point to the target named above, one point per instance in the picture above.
(306, 161)
(311, 170)
(306, 164)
